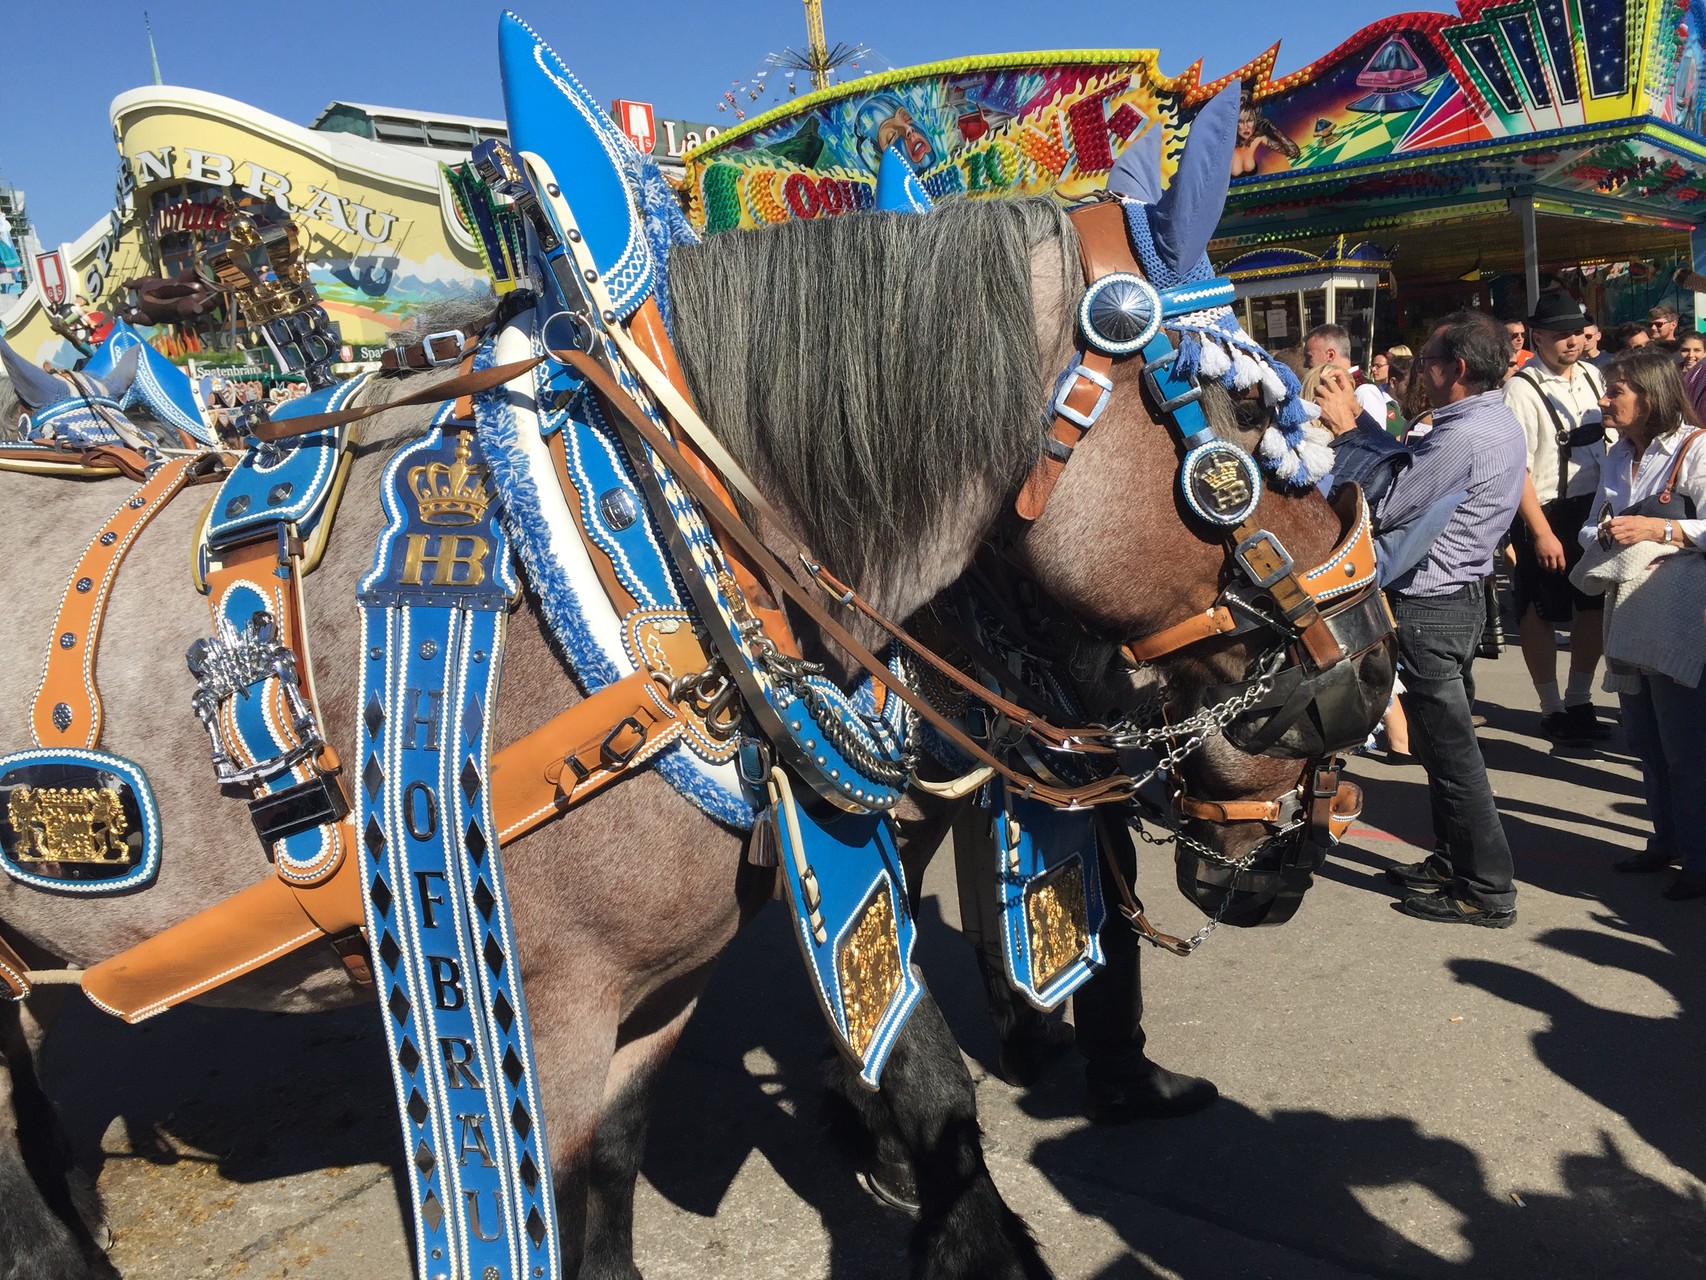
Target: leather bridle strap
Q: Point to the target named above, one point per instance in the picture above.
(1112, 790)
(1217, 621)
(1130, 905)
(463, 385)
(1102, 248)
(1082, 739)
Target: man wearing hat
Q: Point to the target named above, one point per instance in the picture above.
(1556, 399)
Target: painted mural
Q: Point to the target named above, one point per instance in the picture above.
(1420, 105)
(1016, 124)
(381, 238)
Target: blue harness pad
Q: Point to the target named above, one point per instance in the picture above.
(853, 922)
(433, 612)
(287, 482)
(75, 821)
(1050, 897)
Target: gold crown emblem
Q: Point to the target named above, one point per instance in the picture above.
(451, 493)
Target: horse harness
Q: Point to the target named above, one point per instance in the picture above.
(300, 794)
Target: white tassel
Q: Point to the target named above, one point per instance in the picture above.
(1316, 457)
(1246, 372)
(1214, 363)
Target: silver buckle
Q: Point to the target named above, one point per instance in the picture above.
(433, 362)
(225, 665)
(1066, 386)
(1241, 554)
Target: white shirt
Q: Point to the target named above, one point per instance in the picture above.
(1371, 399)
(1576, 398)
(1626, 483)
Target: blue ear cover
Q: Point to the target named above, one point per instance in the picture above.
(1184, 219)
(898, 187)
(1137, 173)
(36, 387)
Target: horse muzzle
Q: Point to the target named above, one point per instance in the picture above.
(1309, 711)
(1266, 884)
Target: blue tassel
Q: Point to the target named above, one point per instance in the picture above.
(1189, 360)
(1293, 417)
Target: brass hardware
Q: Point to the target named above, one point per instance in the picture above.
(69, 824)
(1228, 488)
(868, 971)
(1056, 920)
(451, 493)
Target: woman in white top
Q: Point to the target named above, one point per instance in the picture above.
(1660, 453)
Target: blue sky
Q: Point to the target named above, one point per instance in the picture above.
(64, 60)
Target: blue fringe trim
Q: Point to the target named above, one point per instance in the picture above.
(523, 520)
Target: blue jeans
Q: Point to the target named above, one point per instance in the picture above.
(1667, 730)
(1437, 636)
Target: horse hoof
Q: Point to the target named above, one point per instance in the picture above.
(891, 1184)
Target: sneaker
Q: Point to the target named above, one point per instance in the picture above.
(1563, 729)
(1585, 722)
(1427, 875)
(1442, 908)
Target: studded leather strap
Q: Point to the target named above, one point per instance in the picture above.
(67, 711)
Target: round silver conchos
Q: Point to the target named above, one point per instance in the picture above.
(1221, 482)
(1120, 313)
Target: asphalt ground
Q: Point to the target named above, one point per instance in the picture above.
(1400, 1099)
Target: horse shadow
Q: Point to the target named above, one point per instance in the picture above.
(1312, 1196)
(224, 1097)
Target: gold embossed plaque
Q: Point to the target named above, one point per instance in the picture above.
(867, 968)
(68, 824)
(1057, 920)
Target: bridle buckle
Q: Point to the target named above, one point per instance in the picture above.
(431, 356)
(1066, 386)
(1246, 549)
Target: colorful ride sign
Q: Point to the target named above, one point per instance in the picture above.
(1596, 99)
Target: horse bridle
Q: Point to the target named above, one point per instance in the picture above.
(1323, 618)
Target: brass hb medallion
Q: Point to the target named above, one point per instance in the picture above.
(1221, 482)
(1057, 920)
(867, 968)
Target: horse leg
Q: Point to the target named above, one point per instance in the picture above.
(928, 1107)
(49, 1211)
(649, 1036)
(574, 1044)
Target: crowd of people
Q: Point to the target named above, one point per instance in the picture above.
(1580, 472)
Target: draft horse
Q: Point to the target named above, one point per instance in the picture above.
(884, 380)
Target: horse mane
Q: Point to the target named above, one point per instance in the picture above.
(873, 367)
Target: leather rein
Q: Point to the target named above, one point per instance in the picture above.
(703, 468)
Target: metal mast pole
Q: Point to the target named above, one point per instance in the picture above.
(817, 48)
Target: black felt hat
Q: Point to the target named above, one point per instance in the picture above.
(1558, 312)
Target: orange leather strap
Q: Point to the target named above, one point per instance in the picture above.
(607, 736)
(1102, 247)
(1181, 635)
(67, 710)
(226, 941)
(580, 752)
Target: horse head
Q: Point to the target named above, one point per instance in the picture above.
(88, 407)
(1122, 491)
(887, 380)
